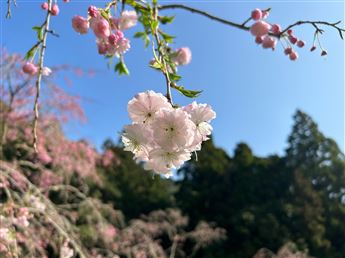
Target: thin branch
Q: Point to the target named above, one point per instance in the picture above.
(315, 25)
(203, 13)
(161, 55)
(246, 28)
(8, 14)
(39, 75)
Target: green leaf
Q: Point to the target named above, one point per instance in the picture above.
(168, 38)
(174, 77)
(154, 25)
(121, 68)
(105, 14)
(187, 93)
(139, 34)
(166, 19)
(39, 31)
(31, 52)
(156, 65)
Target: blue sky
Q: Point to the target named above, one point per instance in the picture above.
(255, 92)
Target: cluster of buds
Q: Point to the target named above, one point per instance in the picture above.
(32, 69)
(267, 35)
(163, 136)
(108, 31)
(55, 10)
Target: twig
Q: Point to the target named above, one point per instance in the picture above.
(161, 55)
(246, 28)
(39, 75)
(8, 14)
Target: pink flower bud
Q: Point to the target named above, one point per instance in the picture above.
(288, 51)
(289, 31)
(66, 1)
(292, 39)
(101, 28)
(265, 14)
(256, 14)
(312, 48)
(46, 71)
(80, 24)
(44, 6)
(324, 53)
(30, 68)
(293, 55)
(182, 56)
(55, 10)
(102, 47)
(269, 42)
(258, 40)
(93, 11)
(276, 29)
(300, 43)
(260, 28)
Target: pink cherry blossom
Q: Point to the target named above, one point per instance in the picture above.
(127, 20)
(288, 51)
(100, 27)
(162, 160)
(300, 43)
(80, 24)
(55, 10)
(45, 6)
(135, 138)
(93, 11)
(258, 40)
(276, 29)
(182, 56)
(293, 39)
(30, 68)
(269, 42)
(144, 106)
(256, 14)
(172, 129)
(46, 71)
(293, 55)
(260, 28)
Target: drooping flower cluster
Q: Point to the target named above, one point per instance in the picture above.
(267, 35)
(108, 31)
(163, 136)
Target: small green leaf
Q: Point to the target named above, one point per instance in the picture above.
(168, 38)
(39, 31)
(174, 77)
(31, 52)
(154, 25)
(121, 68)
(139, 34)
(105, 14)
(187, 93)
(166, 19)
(156, 65)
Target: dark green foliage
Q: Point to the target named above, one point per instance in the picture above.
(261, 202)
(265, 202)
(132, 189)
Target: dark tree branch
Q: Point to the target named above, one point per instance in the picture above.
(246, 28)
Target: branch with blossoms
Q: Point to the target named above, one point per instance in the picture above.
(162, 151)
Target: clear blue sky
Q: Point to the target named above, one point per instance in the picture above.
(255, 92)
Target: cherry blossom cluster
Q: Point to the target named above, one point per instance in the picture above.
(163, 136)
(267, 35)
(32, 69)
(108, 31)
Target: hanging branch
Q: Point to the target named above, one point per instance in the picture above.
(39, 75)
